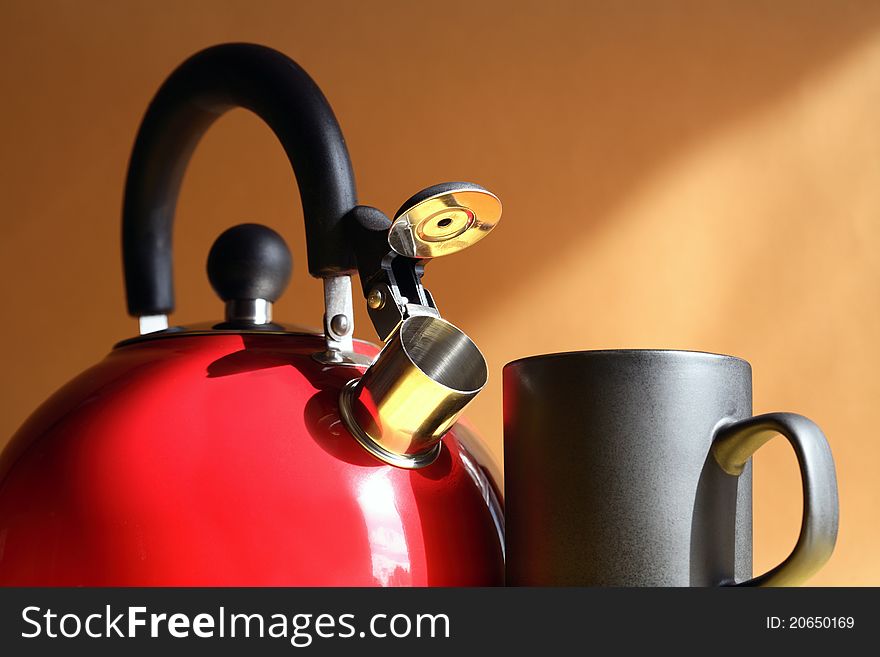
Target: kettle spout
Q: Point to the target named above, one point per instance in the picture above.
(414, 391)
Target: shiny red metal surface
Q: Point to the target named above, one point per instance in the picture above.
(221, 460)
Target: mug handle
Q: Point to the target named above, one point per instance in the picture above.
(735, 443)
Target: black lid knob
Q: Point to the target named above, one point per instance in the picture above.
(249, 261)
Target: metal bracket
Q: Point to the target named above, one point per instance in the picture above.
(152, 323)
(338, 313)
(339, 324)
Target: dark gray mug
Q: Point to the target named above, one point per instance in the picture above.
(633, 468)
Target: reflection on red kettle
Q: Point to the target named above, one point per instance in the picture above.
(245, 452)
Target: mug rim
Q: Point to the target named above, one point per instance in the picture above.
(679, 353)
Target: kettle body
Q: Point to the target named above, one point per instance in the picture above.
(221, 460)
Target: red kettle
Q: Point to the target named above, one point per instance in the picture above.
(245, 452)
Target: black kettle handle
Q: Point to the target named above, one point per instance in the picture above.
(205, 86)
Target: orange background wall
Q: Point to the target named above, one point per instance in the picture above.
(690, 174)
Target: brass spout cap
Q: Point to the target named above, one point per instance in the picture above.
(414, 391)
